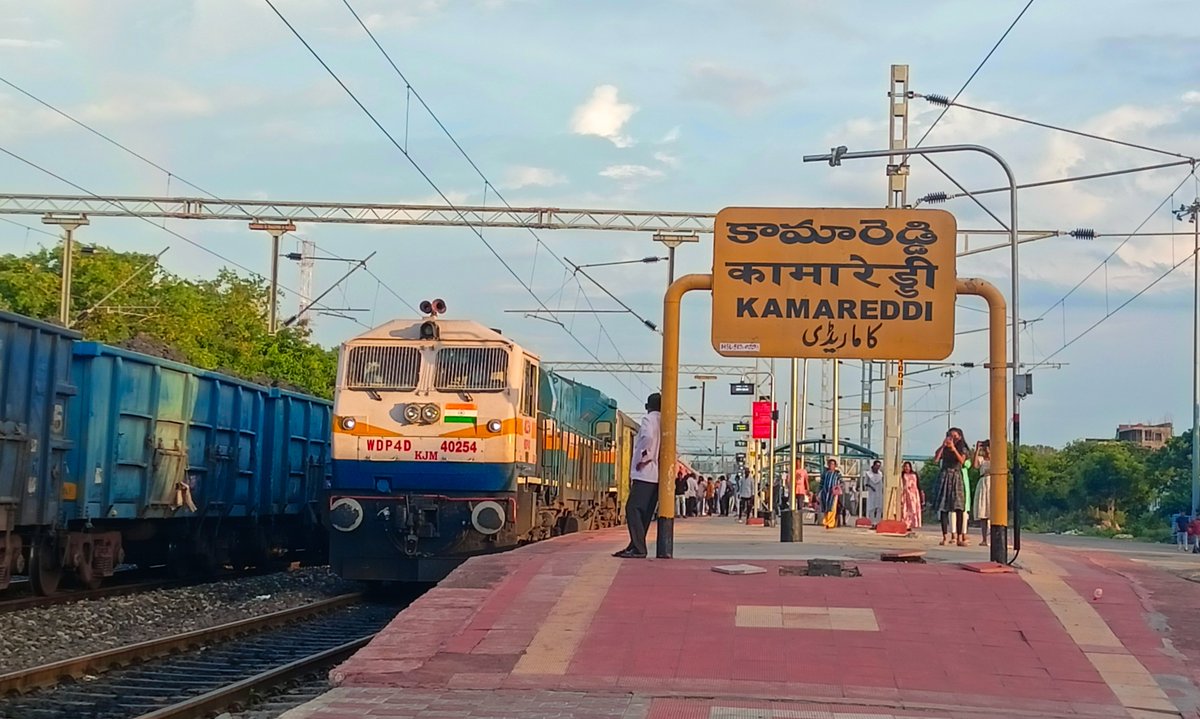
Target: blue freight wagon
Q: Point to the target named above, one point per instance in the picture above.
(35, 392)
(191, 467)
(109, 456)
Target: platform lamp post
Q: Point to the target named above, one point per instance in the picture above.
(673, 240)
(69, 223)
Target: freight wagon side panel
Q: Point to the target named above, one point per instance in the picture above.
(297, 461)
(160, 438)
(226, 446)
(35, 398)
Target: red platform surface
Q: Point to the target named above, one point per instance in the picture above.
(926, 640)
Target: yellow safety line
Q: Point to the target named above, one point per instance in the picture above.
(555, 643)
(1129, 680)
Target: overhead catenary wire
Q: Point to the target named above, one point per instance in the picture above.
(412, 92)
(430, 181)
(947, 103)
(134, 153)
(975, 72)
(1123, 242)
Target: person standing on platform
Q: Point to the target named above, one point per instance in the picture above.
(745, 497)
(982, 506)
(873, 484)
(831, 493)
(690, 495)
(710, 496)
(800, 486)
(643, 487)
(680, 492)
(951, 497)
(723, 496)
(1179, 524)
(910, 499)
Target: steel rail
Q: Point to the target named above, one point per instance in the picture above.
(47, 675)
(239, 692)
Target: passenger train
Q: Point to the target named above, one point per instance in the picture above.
(450, 440)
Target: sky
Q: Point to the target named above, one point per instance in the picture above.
(670, 105)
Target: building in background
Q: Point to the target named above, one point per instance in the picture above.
(1151, 436)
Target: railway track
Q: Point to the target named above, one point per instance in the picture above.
(195, 673)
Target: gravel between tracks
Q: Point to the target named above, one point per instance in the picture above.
(46, 634)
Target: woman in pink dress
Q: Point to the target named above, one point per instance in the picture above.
(910, 503)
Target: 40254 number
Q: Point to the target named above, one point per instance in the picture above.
(459, 446)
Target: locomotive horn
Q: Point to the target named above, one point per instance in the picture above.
(426, 307)
(439, 306)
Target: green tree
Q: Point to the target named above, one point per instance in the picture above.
(1108, 476)
(1170, 470)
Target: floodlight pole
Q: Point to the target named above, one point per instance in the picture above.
(999, 538)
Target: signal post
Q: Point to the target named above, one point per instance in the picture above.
(833, 284)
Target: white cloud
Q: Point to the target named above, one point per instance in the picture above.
(521, 176)
(631, 172)
(671, 136)
(22, 44)
(668, 160)
(1191, 97)
(603, 115)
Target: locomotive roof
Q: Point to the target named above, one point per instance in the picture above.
(449, 330)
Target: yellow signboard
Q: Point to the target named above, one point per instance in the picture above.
(848, 283)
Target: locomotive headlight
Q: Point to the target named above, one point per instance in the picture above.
(348, 423)
(412, 413)
(430, 413)
(493, 426)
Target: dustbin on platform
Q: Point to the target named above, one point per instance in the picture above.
(791, 525)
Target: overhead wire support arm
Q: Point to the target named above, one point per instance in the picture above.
(650, 325)
(357, 266)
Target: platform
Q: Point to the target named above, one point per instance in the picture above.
(562, 629)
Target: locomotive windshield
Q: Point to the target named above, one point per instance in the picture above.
(471, 369)
(383, 367)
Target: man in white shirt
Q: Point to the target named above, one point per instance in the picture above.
(873, 484)
(643, 475)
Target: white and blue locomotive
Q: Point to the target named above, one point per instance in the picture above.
(450, 441)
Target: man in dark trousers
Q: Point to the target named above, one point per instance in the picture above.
(643, 475)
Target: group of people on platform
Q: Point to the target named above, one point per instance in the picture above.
(833, 497)
(698, 496)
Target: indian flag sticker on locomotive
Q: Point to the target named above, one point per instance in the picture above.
(461, 413)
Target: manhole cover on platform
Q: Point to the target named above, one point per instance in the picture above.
(821, 568)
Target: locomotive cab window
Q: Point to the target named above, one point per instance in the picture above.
(471, 369)
(383, 367)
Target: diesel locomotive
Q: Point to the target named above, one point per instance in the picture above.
(450, 440)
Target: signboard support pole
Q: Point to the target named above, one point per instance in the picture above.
(803, 401)
(771, 448)
(793, 455)
(665, 546)
(997, 411)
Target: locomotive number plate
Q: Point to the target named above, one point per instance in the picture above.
(424, 449)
